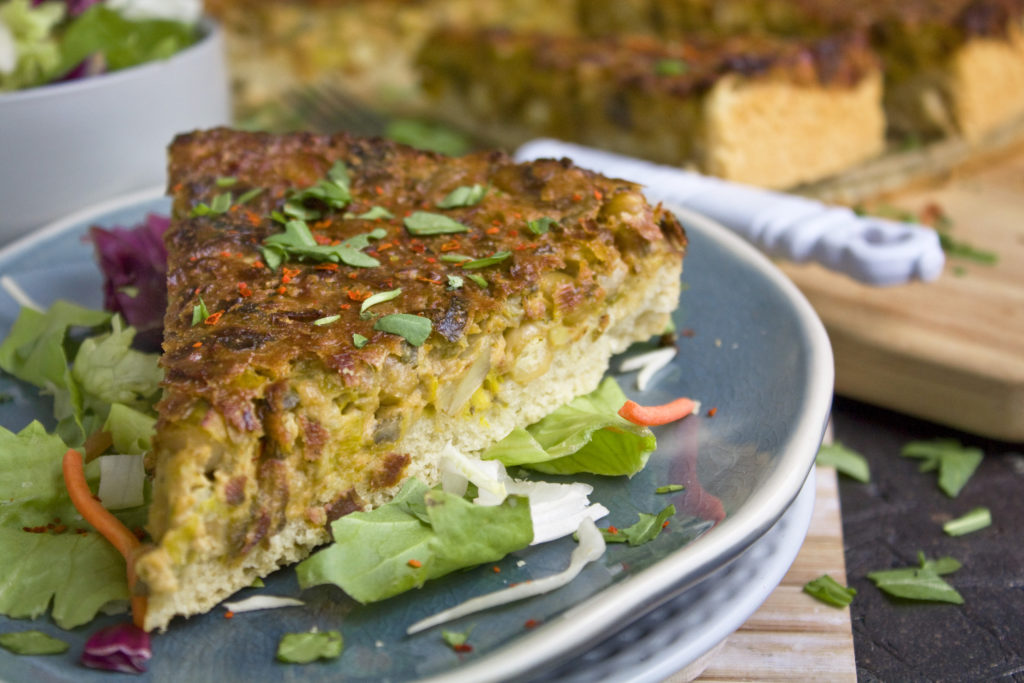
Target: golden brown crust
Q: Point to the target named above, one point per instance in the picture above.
(263, 319)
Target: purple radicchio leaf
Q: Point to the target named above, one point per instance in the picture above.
(122, 647)
(134, 265)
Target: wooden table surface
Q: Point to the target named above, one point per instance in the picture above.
(794, 637)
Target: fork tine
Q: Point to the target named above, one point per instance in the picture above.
(328, 108)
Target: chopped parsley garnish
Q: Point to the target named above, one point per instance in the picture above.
(297, 242)
(359, 341)
(456, 258)
(225, 181)
(456, 639)
(646, 529)
(218, 205)
(32, 643)
(671, 67)
(326, 320)
(920, 583)
(496, 257)
(466, 195)
(413, 328)
(332, 191)
(379, 298)
(846, 461)
(455, 282)
(976, 519)
(479, 279)
(303, 648)
(959, 249)
(248, 195)
(375, 212)
(130, 291)
(540, 226)
(669, 488)
(424, 223)
(830, 591)
(199, 312)
(954, 462)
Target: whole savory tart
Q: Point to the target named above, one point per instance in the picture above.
(342, 309)
(773, 112)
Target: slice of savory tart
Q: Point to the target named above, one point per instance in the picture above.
(341, 309)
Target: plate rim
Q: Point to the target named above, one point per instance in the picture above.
(615, 606)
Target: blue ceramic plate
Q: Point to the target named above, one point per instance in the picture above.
(753, 349)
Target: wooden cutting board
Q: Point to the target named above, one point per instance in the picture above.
(951, 351)
(793, 637)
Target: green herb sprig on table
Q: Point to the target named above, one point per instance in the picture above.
(954, 462)
(920, 583)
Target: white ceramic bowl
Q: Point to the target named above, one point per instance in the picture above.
(70, 145)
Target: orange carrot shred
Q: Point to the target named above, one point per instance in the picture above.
(119, 536)
(650, 416)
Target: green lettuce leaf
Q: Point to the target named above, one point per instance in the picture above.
(130, 429)
(585, 435)
(122, 42)
(36, 52)
(40, 346)
(110, 371)
(422, 534)
(51, 559)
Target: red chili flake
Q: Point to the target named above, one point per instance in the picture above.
(244, 289)
(258, 264)
(357, 295)
(531, 623)
(235, 208)
(382, 246)
(450, 245)
(415, 564)
(321, 224)
(712, 411)
(225, 254)
(195, 291)
(664, 524)
(282, 289)
(492, 231)
(193, 259)
(430, 259)
(322, 240)
(418, 247)
(214, 318)
(576, 196)
(345, 307)
(463, 647)
(407, 213)
(177, 188)
(326, 266)
(229, 615)
(518, 216)
(378, 189)
(353, 275)
(496, 569)
(288, 274)
(197, 345)
(427, 279)
(597, 195)
(522, 246)
(253, 217)
(613, 530)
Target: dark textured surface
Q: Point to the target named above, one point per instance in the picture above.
(902, 511)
